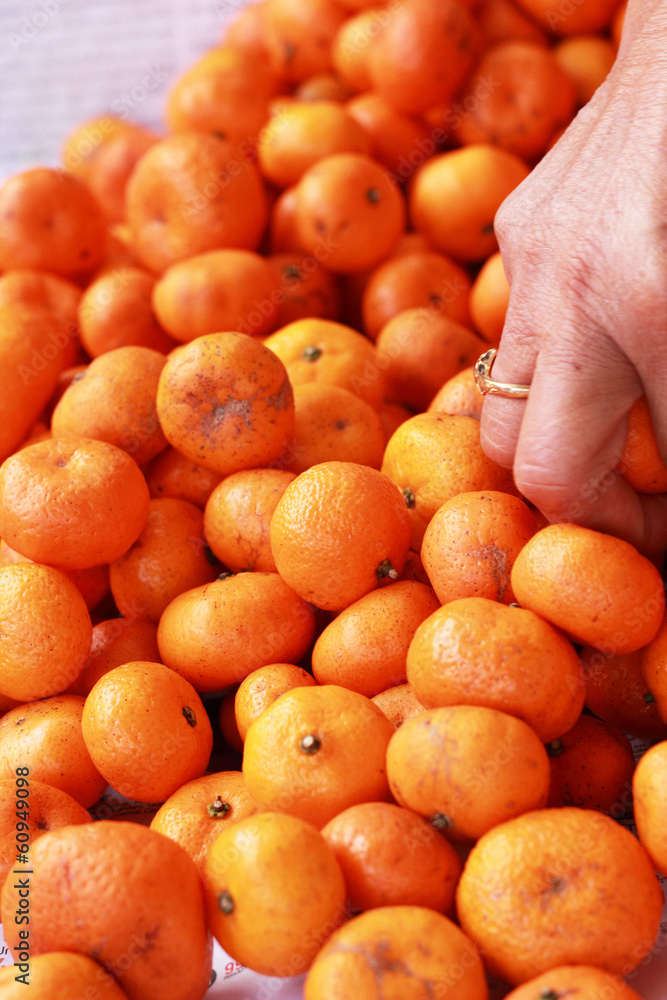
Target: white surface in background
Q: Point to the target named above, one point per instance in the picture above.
(65, 61)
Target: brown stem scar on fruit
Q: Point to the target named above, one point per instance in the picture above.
(555, 748)
(373, 195)
(385, 569)
(226, 901)
(217, 809)
(547, 994)
(440, 821)
(190, 716)
(311, 353)
(410, 499)
(648, 698)
(310, 744)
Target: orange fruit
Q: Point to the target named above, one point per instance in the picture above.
(283, 236)
(319, 350)
(351, 45)
(217, 634)
(393, 857)
(323, 87)
(168, 558)
(332, 424)
(51, 222)
(395, 137)
(489, 298)
(237, 518)
(653, 662)
(408, 280)
(134, 901)
(532, 98)
(197, 812)
(641, 463)
(298, 36)
(454, 197)
(31, 808)
(262, 687)
(191, 193)
(390, 950)
(227, 720)
(315, 751)
(51, 976)
(274, 892)
(502, 21)
(45, 737)
(593, 15)
(116, 641)
(596, 587)
(475, 651)
(160, 738)
(225, 402)
(398, 704)
(459, 395)
(304, 133)
(591, 767)
(58, 296)
(73, 502)
(307, 290)
(420, 349)
(245, 29)
(617, 22)
(338, 531)
(172, 474)
(650, 804)
(549, 868)
(422, 55)
(587, 60)
(618, 694)
(471, 543)
(365, 646)
(118, 253)
(32, 345)
(225, 93)
(392, 416)
(102, 153)
(218, 290)
(113, 400)
(46, 631)
(488, 767)
(41, 430)
(116, 311)
(349, 212)
(432, 457)
(586, 981)
(92, 583)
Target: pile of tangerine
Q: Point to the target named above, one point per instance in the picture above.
(242, 489)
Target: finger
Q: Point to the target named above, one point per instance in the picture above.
(514, 362)
(571, 439)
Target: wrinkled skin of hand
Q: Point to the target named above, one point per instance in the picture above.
(584, 243)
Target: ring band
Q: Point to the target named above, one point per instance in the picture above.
(488, 387)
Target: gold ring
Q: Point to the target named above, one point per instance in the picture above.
(488, 387)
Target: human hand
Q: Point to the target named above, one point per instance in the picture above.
(584, 244)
